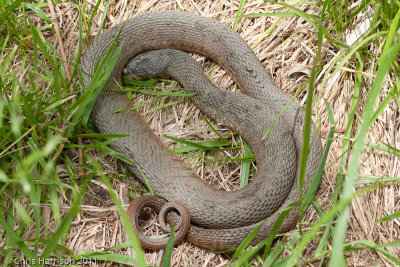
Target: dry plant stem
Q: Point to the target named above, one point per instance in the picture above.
(160, 256)
(59, 39)
(67, 72)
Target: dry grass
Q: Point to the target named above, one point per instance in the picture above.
(287, 54)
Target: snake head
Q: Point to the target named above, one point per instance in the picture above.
(148, 64)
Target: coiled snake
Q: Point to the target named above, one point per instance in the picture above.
(220, 220)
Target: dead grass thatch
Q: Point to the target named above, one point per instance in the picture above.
(287, 54)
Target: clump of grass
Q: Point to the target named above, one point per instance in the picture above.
(39, 128)
(333, 233)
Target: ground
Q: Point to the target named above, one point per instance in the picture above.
(287, 50)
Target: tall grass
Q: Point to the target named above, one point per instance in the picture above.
(40, 118)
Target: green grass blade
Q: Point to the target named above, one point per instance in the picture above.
(238, 14)
(98, 84)
(385, 61)
(124, 216)
(241, 248)
(66, 222)
(85, 257)
(389, 217)
(320, 169)
(246, 165)
(205, 146)
(16, 239)
(168, 249)
(275, 253)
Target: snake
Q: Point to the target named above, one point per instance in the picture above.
(219, 220)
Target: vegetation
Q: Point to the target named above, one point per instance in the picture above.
(44, 116)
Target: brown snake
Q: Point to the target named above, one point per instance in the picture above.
(220, 220)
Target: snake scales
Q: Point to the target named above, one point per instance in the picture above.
(220, 220)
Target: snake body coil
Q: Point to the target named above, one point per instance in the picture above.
(220, 220)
